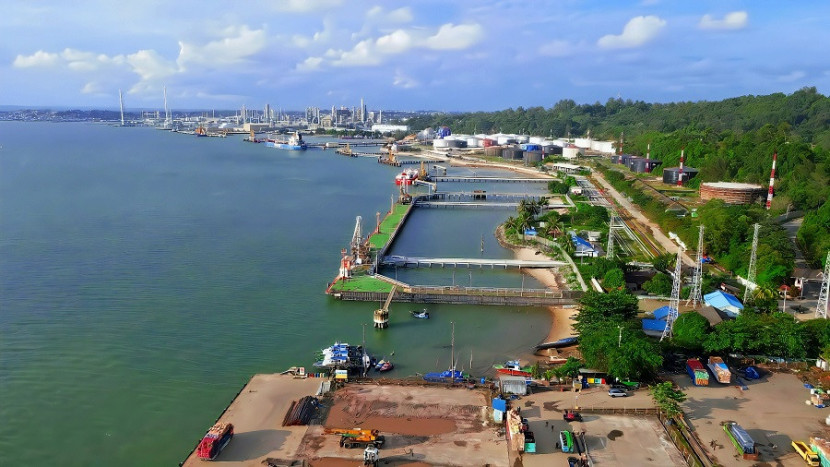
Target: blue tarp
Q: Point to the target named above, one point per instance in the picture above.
(500, 404)
(662, 312)
(654, 325)
(723, 301)
(530, 232)
(579, 241)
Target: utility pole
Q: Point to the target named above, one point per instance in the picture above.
(821, 305)
(750, 274)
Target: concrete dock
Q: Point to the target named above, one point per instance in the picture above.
(257, 414)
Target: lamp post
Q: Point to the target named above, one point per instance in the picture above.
(619, 339)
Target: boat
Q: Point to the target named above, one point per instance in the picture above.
(451, 374)
(513, 368)
(566, 342)
(341, 356)
(384, 365)
(201, 131)
(294, 143)
(215, 441)
(407, 177)
(423, 314)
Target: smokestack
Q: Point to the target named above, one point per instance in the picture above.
(680, 173)
(648, 158)
(771, 180)
(622, 139)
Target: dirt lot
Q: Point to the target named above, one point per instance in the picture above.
(612, 439)
(772, 410)
(257, 415)
(422, 426)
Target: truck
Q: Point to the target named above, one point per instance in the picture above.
(357, 437)
(214, 441)
(699, 375)
(720, 370)
(804, 451)
(741, 440)
(371, 456)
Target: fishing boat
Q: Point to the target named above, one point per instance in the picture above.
(566, 342)
(513, 368)
(451, 374)
(384, 365)
(294, 143)
(423, 314)
(407, 177)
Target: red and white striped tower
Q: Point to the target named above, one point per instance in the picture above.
(648, 158)
(771, 180)
(680, 173)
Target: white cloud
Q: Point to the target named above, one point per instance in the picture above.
(403, 81)
(92, 87)
(363, 54)
(452, 37)
(795, 75)
(734, 20)
(39, 58)
(557, 48)
(636, 32)
(310, 64)
(238, 44)
(149, 65)
(397, 42)
(305, 6)
(400, 15)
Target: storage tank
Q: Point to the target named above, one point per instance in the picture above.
(521, 139)
(731, 193)
(473, 142)
(672, 174)
(444, 131)
(511, 153)
(551, 149)
(441, 143)
(584, 143)
(532, 157)
(615, 159)
(570, 152)
(427, 133)
(536, 140)
(505, 139)
(624, 159)
(493, 151)
(487, 142)
(638, 164)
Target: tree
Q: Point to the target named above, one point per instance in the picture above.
(664, 262)
(690, 330)
(668, 398)
(619, 348)
(596, 306)
(660, 285)
(614, 279)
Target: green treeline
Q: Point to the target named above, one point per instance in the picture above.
(729, 140)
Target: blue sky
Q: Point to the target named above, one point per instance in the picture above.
(406, 55)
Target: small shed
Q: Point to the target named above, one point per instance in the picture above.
(513, 384)
(724, 302)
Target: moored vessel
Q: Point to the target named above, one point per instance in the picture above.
(407, 177)
(215, 441)
(294, 143)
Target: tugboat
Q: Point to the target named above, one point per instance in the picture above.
(423, 314)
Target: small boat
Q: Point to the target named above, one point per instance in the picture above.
(215, 441)
(407, 177)
(566, 342)
(423, 314)
(384, 365)
(513, 368)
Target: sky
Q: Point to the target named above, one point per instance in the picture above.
(458, 55)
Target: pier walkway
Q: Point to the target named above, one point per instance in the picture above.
(490, 179)
(418, 262)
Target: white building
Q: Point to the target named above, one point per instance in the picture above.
(389, 128)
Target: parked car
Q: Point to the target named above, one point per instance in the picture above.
(617, 393)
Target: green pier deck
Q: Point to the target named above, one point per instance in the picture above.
(388, 226)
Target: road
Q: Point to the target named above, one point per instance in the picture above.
(641, 219)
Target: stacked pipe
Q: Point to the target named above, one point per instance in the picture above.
(300, 412)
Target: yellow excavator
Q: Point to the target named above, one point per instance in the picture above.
(357, 437)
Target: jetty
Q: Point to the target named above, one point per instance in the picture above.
(445, 178)
(418, 262)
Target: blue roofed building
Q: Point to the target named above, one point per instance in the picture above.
(724, 302)
(656, 326)
(583, 247)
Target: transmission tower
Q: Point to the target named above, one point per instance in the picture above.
(697, 280)
(750, 274)
(821, 306)
(615, 223)
(674, 303)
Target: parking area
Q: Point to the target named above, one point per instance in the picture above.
(772, 410)
(612, 439)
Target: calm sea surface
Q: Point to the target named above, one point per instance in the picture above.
(146, 275)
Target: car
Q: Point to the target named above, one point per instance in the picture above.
(619, 386)
(617, 393)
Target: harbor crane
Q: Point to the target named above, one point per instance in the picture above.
(381, 316)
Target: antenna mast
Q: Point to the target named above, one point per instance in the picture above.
(674, 304)
(750, 274)
(821, 305)
(697, 281)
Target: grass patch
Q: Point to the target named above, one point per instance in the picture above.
(362, 284)
(387, 226)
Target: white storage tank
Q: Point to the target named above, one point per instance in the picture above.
(584, 143)
(441, 143)
(473, 142)
(537, 140)
(522, 139)
(505, 139)
(570, 152)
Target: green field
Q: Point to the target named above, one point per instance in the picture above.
(362, 284)
(387, 226)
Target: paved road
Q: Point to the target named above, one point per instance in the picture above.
(635, 212)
